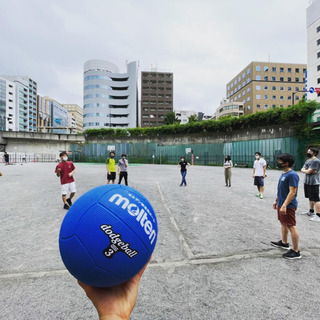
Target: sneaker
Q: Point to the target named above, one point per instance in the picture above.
(308, 213)
(258, 195)
(280, 244)
(315, 219)
(69, 202)
(291, 254)
(66, 207)
(261, 196)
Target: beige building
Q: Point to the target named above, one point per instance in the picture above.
(156, 97)
(265, 85)
(77, 112)
(228, 108)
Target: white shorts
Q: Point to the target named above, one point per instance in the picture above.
(68, 187)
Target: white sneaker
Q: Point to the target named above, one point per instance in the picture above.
(315, 219)
(308, 213)
(261, 196)
(258, 195)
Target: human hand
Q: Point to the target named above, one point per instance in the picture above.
(115, 303)
(274, 205)
(70, 174)
(283, 209)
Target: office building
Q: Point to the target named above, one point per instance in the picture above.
(266, 85)
(228, 108)
(110, 98)
(156, 97)
(52, 116)
(21, 103)
(8, 116)
(313, 49)
(77, 112)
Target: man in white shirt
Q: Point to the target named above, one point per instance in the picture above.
(259, 173)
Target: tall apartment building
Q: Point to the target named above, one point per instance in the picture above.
(313, 48)
(266, 85)
(77, 112)
(8, 117)
(21, 103)
(110, 98)
(156, 97)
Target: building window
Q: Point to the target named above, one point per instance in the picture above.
(281, 88)
(289, 79)
(258, 87)
(258, 77)
(297, 89)
(258, 96)
(266, 97)
(266, 106)
(318, 29)
(248, 71)
(258, 106)
(258, 68)
(289, 89)
(274, 88)
(281, 69)
(274, 97)
(281, 79)
(318, 55)
(273, 106)
(289, 97)
(318, 80)
(266, 88)
(297, 70)
(248, 99)
(281, 97)
(289, 70)
(273, 78)
(248, 90)
(266, 78)
(266, 68)
(274, 69)
(297, 79)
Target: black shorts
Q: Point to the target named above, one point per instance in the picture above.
(111, 176)
(312, 192)
(258, 181)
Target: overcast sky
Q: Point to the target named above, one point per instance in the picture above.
(205, 43)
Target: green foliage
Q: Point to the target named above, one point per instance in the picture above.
(193, 118)
(170, 118)
(296, 116)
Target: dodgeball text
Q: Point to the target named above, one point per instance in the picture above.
(135, 211)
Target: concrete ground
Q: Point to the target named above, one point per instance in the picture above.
(213, 259)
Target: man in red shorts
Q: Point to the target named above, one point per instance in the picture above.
(65, 170)
(286, 203)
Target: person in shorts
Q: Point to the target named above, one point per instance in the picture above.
(311, 169)
(111, 168)
(65, 170)
(259, 173)
(123, 169)
(286, 204)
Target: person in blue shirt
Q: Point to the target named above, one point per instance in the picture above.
(286, 204)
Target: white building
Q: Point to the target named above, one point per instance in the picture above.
(110, 98)
(183, 115)
(25, 107)
(229, 108)
(313, 48)
(8, 115)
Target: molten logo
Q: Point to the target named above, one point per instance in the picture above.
(140, 214)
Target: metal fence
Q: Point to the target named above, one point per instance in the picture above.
(16, 157)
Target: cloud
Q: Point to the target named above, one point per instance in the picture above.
(205, 43)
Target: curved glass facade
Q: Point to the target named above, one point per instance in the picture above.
(109, 97)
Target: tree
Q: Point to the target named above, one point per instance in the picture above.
(171, 118)
(193, 118)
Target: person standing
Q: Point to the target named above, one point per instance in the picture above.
(259, 173)
(286, 204)
(65, 170)
(111, 168)
(311, 168)
(227, 170)
(6, 158)
(183, 164)
(123, 169)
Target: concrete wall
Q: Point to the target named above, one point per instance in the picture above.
(39, 143)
